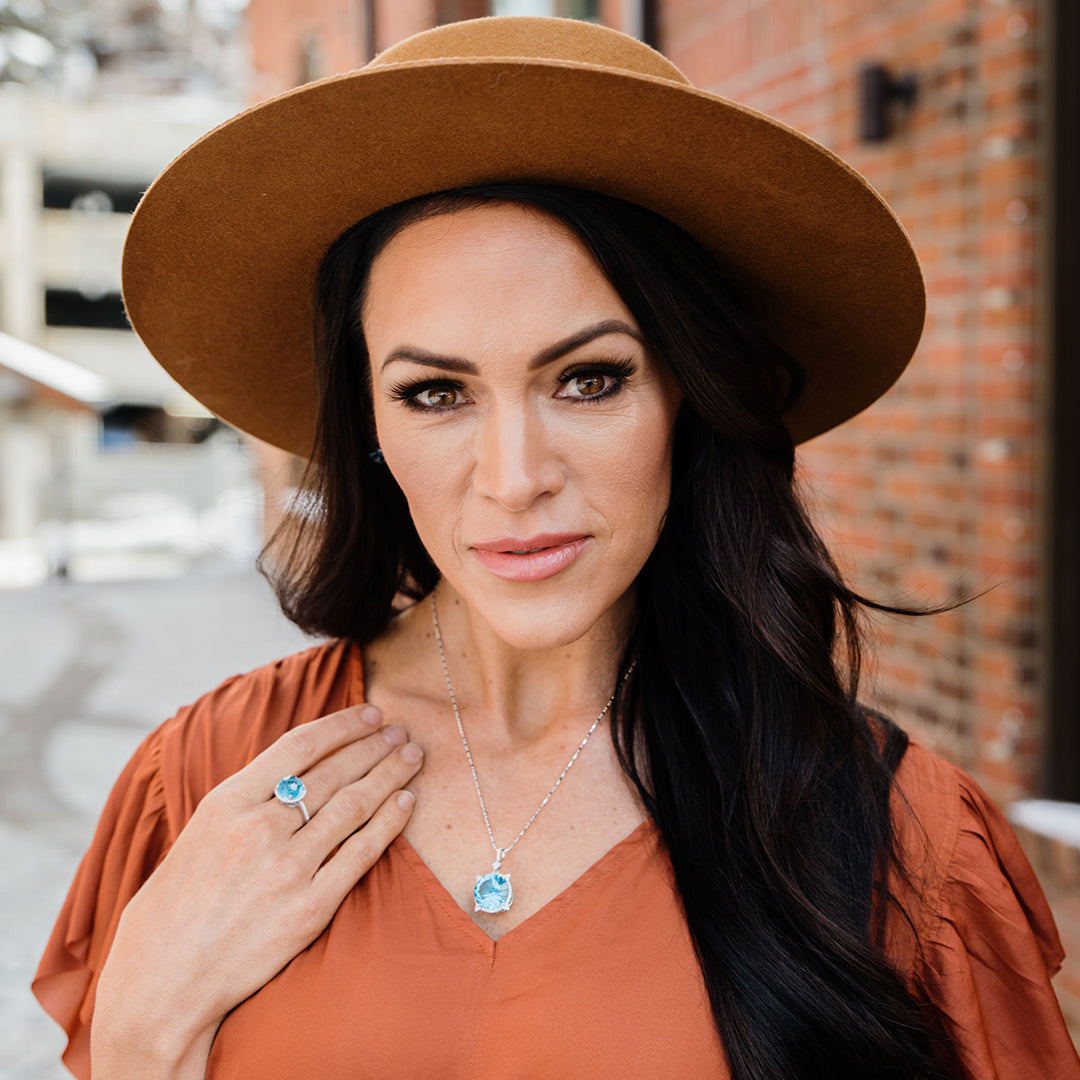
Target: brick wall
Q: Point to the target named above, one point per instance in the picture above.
(931, 494)
(934, 493)
(286, 34)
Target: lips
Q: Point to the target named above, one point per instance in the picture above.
(531, 558)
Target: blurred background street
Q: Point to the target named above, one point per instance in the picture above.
(86, 670)
(130, 516)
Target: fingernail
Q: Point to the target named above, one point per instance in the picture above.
(411, 753)
(406, 799)
(371, 715)
(395, 734)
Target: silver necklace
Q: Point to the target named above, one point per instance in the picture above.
(493, 892)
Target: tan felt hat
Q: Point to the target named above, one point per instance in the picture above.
(221, 257)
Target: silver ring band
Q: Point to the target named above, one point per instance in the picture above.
(290, 790)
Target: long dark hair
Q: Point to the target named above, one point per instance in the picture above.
(740, 724)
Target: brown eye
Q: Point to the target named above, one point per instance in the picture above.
(597, 382)
(438, 397)
(590, 385)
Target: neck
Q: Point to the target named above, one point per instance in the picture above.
(516, 695)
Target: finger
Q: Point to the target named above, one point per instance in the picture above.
(359, 853)
(353, 806)
(347, 765)
(301, 747)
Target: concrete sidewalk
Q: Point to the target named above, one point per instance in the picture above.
(85, 672)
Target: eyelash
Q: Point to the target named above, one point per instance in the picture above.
(617, 370)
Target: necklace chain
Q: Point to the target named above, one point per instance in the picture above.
(502, 852)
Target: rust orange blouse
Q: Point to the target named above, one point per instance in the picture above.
(602, 982)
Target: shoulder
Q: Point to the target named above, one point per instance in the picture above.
(156, 794)
(966, 863)
(219, 733)
(277, 695)
(927, 804)
(981, 944)
(953, 839)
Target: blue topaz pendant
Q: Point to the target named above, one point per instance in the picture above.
(493, 892)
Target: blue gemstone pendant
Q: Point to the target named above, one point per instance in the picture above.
(493, 892)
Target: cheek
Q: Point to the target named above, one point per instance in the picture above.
(416, 452)
(434, 493)
(619, 471)
(426, 472)
(631, 481)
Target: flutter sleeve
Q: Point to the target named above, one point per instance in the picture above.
(132, 837)
(989, 954)
(154, 798)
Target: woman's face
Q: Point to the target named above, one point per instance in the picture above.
(523, 418)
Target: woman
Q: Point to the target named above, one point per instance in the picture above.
(550, 491)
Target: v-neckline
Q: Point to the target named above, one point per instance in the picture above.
(443, 897)
(527, 927)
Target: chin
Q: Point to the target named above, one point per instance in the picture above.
(542, 635)
(549, 618)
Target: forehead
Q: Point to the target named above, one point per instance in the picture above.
(480, 265)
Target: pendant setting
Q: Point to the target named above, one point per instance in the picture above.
(493, 892)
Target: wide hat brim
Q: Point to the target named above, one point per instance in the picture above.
(222, 254)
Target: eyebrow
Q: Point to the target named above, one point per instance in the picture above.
(545, 356)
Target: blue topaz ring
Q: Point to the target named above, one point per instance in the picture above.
(290, 790)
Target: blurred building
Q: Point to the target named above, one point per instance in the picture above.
(965, 479)
(95, 99)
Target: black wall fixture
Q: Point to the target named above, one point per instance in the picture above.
(879, 92)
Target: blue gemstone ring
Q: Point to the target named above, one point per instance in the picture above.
(290, 790)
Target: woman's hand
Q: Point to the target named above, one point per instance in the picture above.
(246, 886)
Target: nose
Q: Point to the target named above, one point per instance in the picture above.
(515, 462)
